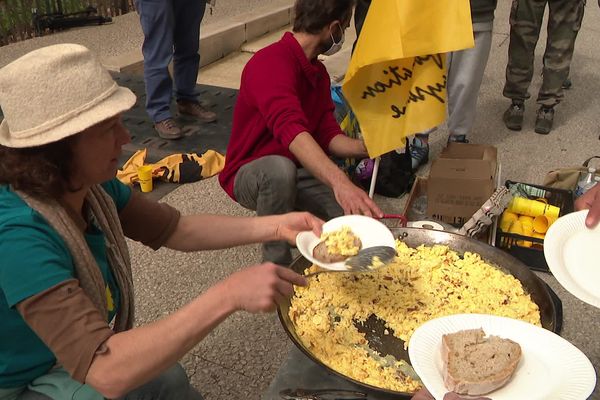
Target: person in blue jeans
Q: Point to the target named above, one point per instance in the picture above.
(172, 33)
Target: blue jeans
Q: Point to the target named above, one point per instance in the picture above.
(171, 32)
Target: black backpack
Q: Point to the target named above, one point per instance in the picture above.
(395, 176)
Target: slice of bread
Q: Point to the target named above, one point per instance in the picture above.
(476, 365)
(321, 252)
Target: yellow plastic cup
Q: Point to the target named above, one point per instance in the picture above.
(538, 236)
(516, 227)
(507, 220)
(145, 178)
(532, 208)
(541, 223)
(526, 221)
(527, 231)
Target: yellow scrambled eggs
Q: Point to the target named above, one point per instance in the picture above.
(421, 284)
(341, 241)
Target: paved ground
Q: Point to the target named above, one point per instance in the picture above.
(125, 34)
(243, 354)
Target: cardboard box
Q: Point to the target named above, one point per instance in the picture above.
(413, 209)
(460, 181)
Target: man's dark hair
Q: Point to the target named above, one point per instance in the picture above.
(313, 15)
(42, 171)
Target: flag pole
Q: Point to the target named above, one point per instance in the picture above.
(374, 177)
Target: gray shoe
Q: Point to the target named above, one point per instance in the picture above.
(544, 120)
(513, 116)
(168, 129)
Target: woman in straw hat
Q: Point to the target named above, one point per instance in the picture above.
(66, 295)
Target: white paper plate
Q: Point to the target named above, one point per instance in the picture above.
(572, 252)
(551, 368)
(370, 231)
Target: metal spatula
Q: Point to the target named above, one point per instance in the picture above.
(367, 260)
(321, 394)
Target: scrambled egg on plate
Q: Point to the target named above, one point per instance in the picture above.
(421, 284)
(342, 241)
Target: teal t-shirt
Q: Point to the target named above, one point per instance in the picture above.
(33, 258)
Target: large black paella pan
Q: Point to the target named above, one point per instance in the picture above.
(547, 301)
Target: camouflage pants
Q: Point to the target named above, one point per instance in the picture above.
(526, 17)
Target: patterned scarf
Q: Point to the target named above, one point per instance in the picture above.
(87, 270)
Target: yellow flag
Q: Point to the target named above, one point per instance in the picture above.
(396, 80)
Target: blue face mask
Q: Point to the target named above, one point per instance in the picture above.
(335, 46)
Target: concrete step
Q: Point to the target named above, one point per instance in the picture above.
(265, 40)
(226, 72)
(218, 41)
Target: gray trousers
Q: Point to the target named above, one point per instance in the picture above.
(170, 385)
(465, 74)
(275, 185)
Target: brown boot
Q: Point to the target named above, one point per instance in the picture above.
(195, 110)
(168, 129)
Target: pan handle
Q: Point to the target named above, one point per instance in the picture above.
(558, 307)
(318, 394)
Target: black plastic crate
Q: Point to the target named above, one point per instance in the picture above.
(533, 256)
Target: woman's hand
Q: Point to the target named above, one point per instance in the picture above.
(260, 288)
(424, 394)
(590, 200)
(288, 226)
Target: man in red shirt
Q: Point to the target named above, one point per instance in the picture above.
(284, 129)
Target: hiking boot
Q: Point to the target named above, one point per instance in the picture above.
(195, 110)
(458, 139)
(168, 129)
(513, 116)
(544, 120)
(419, 155)
(567, 84)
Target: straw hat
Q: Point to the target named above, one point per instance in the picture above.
(55, 92)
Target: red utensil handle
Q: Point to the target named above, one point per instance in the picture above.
(400, 217)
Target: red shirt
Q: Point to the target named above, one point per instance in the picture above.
(282, 94)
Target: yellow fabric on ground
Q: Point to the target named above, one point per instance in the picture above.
(178, 168)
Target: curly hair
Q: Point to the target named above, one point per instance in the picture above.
(42, 171)
(313, 15)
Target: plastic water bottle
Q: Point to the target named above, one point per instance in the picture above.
(586, 182)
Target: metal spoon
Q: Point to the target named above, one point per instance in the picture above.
(364, 260)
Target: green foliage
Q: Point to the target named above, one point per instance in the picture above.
(16, 16)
